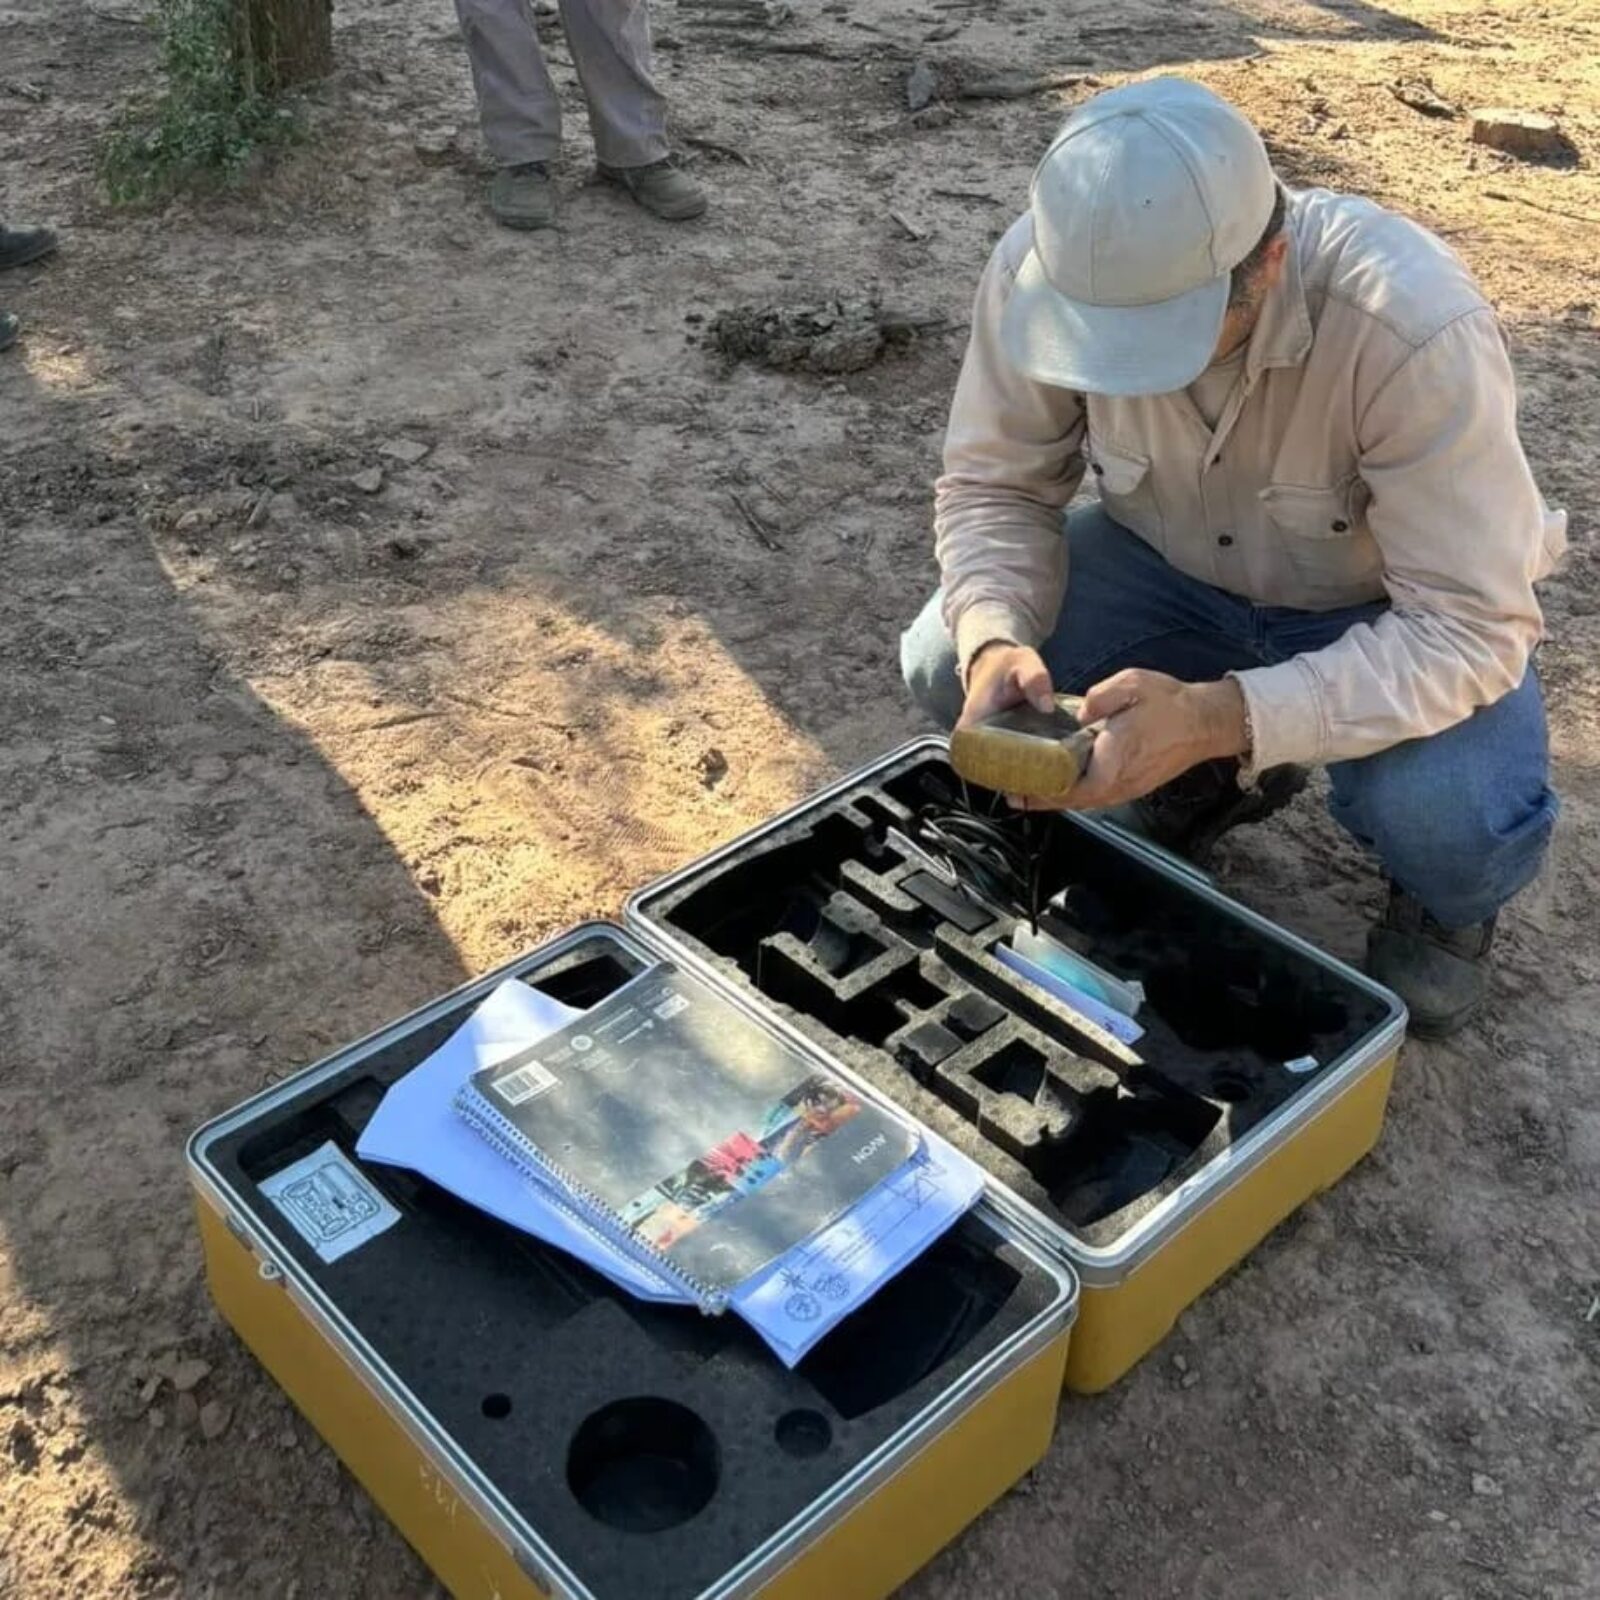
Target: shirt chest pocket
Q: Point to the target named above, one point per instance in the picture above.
(1124, 482)
(1332, 556)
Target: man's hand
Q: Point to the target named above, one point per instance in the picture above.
(1002, 676)
(1156, 727)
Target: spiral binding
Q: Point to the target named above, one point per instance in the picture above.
(503, 1135)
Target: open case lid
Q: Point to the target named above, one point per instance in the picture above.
(246, 1215)
(648, 909)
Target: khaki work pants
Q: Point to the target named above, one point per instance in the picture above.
(610, 44)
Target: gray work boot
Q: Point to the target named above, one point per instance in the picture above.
(1191, 813)
(20, 246)
(523, 196)
(662, 188)
(1441, 973)
(8, 330)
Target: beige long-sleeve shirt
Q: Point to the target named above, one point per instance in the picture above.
(1369, 449)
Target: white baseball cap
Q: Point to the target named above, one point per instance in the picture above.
(1147, 200)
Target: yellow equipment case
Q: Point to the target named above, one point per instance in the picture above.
(533, 1430)
(1262, 1076)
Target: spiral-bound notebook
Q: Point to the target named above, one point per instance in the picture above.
(673, 1125)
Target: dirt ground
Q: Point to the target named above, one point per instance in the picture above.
(282, 758)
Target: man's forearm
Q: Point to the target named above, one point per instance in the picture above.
(1002, 565)
(1406, 675)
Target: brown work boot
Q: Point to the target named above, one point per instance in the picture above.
(662, 188)
(523, 196)
(1441, 973)
(1191, 813)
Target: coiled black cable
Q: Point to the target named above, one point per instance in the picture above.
(998, 855)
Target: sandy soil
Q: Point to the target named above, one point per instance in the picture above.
(274, 770)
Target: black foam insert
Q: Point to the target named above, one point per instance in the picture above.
(1093, 1132)
(652, 1447)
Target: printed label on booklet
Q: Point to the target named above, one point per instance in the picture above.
(329, 1203)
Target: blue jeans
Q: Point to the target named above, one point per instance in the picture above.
(1461, 820)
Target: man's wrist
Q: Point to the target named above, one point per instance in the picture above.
(1222, 719)
(996, 643)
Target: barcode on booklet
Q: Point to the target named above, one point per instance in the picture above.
(524, 1084)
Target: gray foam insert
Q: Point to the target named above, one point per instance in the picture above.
(1092, 1132)
(652, 1447)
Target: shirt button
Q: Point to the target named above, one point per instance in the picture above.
(1341, 526)
(1224, 539)
(1099, 471)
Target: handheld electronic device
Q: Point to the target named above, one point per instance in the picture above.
(1023, 751)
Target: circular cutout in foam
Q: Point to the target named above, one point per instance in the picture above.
(643, 1465)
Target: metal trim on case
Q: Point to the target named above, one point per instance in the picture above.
(532, 1554)
(1097, 1266)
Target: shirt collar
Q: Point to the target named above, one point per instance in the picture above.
(1282, 336)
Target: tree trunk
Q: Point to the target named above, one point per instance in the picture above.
(286, 42)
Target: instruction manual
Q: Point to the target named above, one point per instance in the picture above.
(679, 1128)
(792, 1300)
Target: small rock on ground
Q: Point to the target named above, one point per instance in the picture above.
(187, 1374)
(1419, 94)
(922, 86)
(408, 451)
(1521, 133)
(433, 143)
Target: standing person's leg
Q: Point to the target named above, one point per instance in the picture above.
(610, 42)
(517, 106)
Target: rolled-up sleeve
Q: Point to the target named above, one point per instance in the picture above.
(1463, 534)
(1013, 460)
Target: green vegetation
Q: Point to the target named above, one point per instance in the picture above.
(215, 109)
